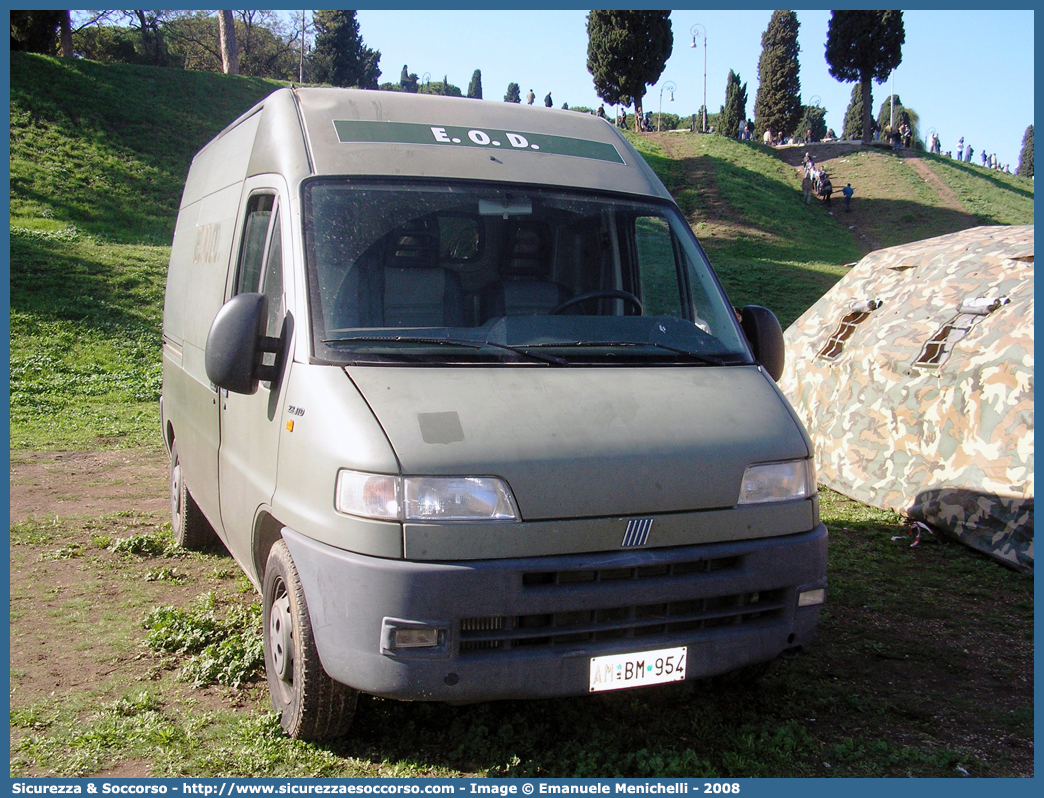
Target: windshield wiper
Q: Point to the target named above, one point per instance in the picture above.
(463, 342)
(709, 360)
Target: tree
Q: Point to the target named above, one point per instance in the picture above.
(227, 37)
(892, 110)
(35, 31)
(854, 116)
(813, 118)
(475, 87)
(1026, 155)
(150, 29)
(863, 46)
(626, 52)
(340, 57)
(514, 94)
(734, 112)
(266, 47)
(777, 105)
(65, 25)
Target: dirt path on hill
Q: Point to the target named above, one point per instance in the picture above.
(712, 214)
(946, 194)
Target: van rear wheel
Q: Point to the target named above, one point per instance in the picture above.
(191, 528)
(311, 705)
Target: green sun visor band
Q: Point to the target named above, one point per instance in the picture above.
(349, 131)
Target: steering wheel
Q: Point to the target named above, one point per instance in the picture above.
(626, 296)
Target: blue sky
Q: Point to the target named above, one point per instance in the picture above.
(966, 73)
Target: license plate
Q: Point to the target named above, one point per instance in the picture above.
(620, 671)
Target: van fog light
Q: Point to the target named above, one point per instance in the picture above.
(415, 638)
(810, 598)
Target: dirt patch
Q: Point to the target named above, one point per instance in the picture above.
(88, 483)
(77, 607)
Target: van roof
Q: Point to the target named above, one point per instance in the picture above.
(326, 131)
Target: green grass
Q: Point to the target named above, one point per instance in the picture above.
(99, 155)
(994, 196)
(106, 147)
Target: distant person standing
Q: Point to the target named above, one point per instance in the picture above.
(984, 157)
(806, 186)
(960, 147)
(548, 102)
(848, 191)
(826, 188)
(530, 97)
(968, 151)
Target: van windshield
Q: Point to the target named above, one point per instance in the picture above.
(469, 273)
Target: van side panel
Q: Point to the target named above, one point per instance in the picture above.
(222, 162)
(199, 265)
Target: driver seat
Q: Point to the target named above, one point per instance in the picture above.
(525, 287)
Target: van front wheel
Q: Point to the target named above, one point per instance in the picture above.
(311, 705)
(191, 528)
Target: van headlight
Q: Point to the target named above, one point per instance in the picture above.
(778, 482)
(394, 498)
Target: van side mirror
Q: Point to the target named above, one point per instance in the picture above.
(762, 329)
(237, 342)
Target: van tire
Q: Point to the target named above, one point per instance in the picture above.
(191, 528)
(311, 705)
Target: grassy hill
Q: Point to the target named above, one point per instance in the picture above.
(99, 154)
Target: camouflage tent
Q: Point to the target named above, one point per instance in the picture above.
(914, 376)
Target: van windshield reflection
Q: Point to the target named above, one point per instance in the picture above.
(464, 272)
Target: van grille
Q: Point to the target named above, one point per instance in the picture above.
(637, 621)
(540, 578)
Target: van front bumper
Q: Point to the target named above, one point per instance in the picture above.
(528, 627)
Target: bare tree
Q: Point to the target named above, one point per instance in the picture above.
(229, 54)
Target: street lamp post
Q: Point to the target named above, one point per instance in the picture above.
(814, 100)
(669, 85)
(702, 31)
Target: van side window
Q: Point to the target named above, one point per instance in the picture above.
(272, 286)
(252, 250)
(657, 268)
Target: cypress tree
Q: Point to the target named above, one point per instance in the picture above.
(777, 105)
(863, 46)
(1026, 155)
(854, 114)
(734, 112)
(514, 94)
(813, 118)
(627, 51)
(897, 113)
(340, 57)
(475, 87)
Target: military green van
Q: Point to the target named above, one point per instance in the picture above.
(456, 386)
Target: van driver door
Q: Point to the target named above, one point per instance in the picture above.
(249, 424)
